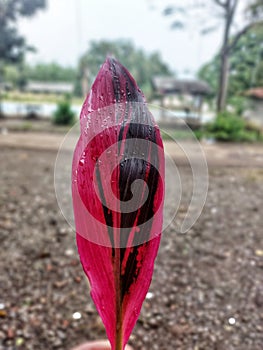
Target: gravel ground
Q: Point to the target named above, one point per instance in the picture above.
(207, 290)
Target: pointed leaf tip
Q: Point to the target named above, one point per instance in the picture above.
(118, 194)
(113, 84)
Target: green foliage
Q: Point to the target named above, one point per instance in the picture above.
(26, 126)
(11, 74)
(141, 65)
(246, 65)
(50, 72)
(255, 9)
(226, 127)
(209, 72)
(199, 133)
(63, 114)
(247, 62)
(239, 104)
(19, 75)
(12, 44)
(230, 127)
(176, 134)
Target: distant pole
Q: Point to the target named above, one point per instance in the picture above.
(162, 105)
(1, 86)
(85, 82)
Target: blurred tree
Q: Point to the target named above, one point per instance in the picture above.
(224, 10)
(246, 65)
(141, 65)
(12, 44)
(19, 75)
(50, 72)
(11, 74)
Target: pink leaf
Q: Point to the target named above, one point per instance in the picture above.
(118, 190)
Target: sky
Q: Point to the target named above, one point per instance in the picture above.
(63, 31)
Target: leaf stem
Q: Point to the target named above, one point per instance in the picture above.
(118, 335)
(118, 338)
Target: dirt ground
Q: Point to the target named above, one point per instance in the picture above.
(207, 289)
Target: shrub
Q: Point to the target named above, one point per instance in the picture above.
(230, 127)
(226, 127)
(238, 104)
(63, 114)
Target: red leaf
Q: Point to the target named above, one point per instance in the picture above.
(118, 190)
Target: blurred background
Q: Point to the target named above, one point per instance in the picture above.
(199, 63)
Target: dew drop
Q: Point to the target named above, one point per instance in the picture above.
(82, 162)
(232, 321)
(149, 295)
(69, 252)
(76, 316)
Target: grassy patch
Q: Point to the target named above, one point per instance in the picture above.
(17, 96)
(170, 134)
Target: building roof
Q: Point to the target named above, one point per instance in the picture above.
(255, 93)
(41, 86)
(170, 85)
